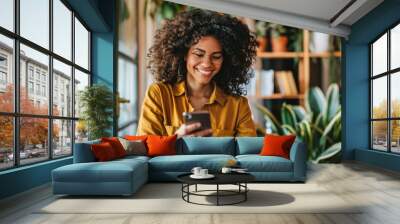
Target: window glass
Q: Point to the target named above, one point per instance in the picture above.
(395, 136)
(62, 138)
(379, 135)
(395, 47)
(39, 61)
(6, 142)
(81, 45)
(81, 81)
(127, 42)
(33, 140)
(34, 21)
(379, 56)
(395, 95)
(6, 74)
(127, 89)
(81, 131)
(62, 91)
(379, 98)
(7, 14)
(62, 29)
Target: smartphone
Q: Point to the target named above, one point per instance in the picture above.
(199, 116)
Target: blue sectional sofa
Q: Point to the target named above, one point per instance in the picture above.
(125, 176)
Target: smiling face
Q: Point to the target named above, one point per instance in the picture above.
(203, 61)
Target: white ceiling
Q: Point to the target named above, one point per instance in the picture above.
(317, 15)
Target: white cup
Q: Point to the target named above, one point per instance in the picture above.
(226, 170)
(203, 172)
(196, 170)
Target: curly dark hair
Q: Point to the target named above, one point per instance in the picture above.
(173, 40)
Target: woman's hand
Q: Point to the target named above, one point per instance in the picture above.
(191, 130)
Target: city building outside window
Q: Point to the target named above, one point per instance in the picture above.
(56, 127)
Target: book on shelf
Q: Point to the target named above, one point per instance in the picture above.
(267, 82)
(251, 87)
(285, 82)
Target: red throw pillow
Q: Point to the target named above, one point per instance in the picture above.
(161, 145)
(275, 145)
(103, 151)
(116, 145)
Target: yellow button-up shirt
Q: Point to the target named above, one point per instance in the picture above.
(164, 104)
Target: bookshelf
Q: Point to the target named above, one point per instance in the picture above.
(303, 70)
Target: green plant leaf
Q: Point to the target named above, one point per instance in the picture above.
(332, 122)
(288, 116)
(301, 114)
(332, 103)
(270, 115)
(329, 152)
(315, 101)
(287, 129)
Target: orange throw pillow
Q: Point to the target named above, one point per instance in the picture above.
(161, 145)
(275, 145)
(103, 151)
(135, 138)
(116, 145)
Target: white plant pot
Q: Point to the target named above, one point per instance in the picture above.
(319, 42)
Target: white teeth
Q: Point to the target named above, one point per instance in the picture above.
(204, 72)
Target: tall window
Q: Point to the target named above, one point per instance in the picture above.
(39, 48)
(385, 94)
(127, 107)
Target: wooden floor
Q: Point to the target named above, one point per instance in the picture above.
(377, 188)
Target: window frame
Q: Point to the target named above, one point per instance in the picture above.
(16, 115)
(388, 74)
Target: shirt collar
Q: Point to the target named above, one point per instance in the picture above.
(217, 94)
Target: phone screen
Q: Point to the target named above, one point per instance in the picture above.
(202, 117)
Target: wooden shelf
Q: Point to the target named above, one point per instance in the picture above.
(280, 54)
(303, 69)
(278, 96)
(325, 54)
(297, 54)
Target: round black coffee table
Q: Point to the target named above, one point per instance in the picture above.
(238, 179)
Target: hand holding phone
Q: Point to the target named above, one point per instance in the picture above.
(203, 117)
(196, 124)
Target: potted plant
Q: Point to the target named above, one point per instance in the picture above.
(279, 39)
(96, 102)
(261, 31)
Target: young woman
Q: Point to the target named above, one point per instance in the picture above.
(201, 61)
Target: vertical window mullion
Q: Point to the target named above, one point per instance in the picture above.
(16, 69)
(50, 87)
(389, 95)
(73, 82)
(371, 144)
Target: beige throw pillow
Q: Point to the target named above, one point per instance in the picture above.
(136, 147)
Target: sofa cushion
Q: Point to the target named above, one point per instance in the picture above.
(206, 145)
(134, 147)
(257, 163)
(111, 171)
(161, 145)
(276, 145)
(103, 152)
(249, 145)
(116, 145)
(185, 163)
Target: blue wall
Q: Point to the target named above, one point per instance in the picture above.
(356, 85)
(99, 16)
